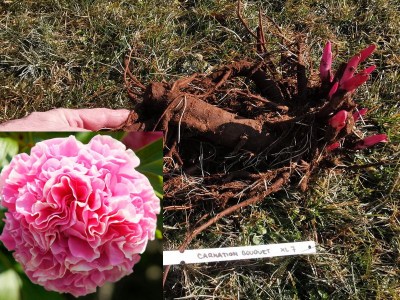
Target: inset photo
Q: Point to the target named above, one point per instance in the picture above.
(80, 215)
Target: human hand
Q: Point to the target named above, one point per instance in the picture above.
(63, 119)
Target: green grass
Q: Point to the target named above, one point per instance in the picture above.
(69, 54)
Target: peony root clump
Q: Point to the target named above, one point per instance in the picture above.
(247, 129)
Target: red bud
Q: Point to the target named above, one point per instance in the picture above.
(333, 146)
(333, 89)
(339, 120)
(369, 70)
(350, 68)
(366, 52)
(326, 63)
(359, 113)
(354, 82)
(372, 140)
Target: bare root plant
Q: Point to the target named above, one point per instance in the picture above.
(262, 123)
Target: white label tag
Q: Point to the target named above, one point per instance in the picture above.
(237, 253)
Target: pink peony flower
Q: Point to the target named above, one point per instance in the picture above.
(78, 215)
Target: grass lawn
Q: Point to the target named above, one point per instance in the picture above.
(70, 54)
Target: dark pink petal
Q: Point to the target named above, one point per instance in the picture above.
(364, 54)
(333, 89)
(350, 68)
(333, 146)
(114, 253)
(339, 120)
(354, 82)
(359, 113)
(372, 140)
(81, 249)
(8, 235)
(326, 63)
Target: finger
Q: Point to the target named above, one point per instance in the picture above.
(98, 118)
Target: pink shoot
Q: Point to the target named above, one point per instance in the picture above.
(354, 82)
(359, 113)
(333, 146)
(369, 70)
(350, 68)
(339, 120)
(333, 89)
(372, 140)
(366, 52)
(326, 63)
(357, 80)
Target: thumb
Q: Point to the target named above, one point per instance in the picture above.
(98, 118)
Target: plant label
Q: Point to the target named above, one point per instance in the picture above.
(237, 253)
